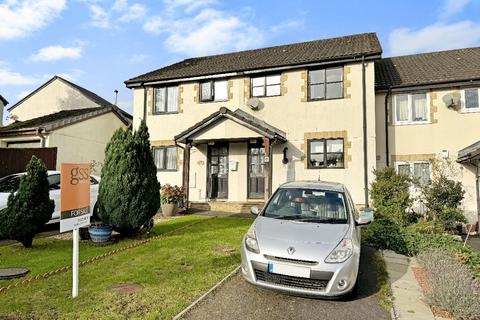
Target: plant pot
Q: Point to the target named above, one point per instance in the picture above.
(169, 209)
(100, 234)
(84, 235)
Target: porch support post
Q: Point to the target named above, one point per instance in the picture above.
(186, 172)
(267, 168)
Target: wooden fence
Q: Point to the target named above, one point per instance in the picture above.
(14, 160)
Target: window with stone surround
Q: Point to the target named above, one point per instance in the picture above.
(213, 90)
(325, 153)
(165, 158)
(324, 84)
(166, 100)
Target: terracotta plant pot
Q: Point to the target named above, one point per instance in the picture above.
(169, 209)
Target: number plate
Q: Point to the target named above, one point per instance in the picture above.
(289, 270)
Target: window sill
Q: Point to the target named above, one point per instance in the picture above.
(277, 95)
(411, 123)
(470, 110)
(167, 170)
(213, 101)
(313, 168)
(164, 113)
(326, 99)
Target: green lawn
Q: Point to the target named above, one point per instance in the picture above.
(174, 271)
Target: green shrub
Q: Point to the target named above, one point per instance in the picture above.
(30, 208)
(451, 217)
(385, 234)
(457, 294)
(390, 194)
(442, 193)
(424, 226)
(129, 192)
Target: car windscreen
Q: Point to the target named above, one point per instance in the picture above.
(307, 205)
(9, 183)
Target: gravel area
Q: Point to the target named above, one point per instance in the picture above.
(237, 299)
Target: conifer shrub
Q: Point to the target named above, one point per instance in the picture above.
(29, 208)
(129, 192)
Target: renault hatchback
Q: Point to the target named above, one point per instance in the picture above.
(306, 241)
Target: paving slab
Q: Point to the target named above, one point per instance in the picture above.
(237, 299)
(408, 299)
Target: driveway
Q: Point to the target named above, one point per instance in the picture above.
(236, 299)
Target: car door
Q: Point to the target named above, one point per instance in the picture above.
(54, 187)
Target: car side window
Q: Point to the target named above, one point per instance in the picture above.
(93, 181)
(54, 182)
(352, 206)
(9, 183)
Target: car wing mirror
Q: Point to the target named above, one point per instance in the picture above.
(365, 217)
(254, 210)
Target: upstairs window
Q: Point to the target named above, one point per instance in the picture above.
(165, 158)
(325, 153)
(213, 91)
(166, 99)
(266, 86)
(325, 84)
(411, 108)
(470, 100)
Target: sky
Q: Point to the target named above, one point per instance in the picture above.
(99, 44)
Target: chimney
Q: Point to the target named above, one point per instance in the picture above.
(3, 104)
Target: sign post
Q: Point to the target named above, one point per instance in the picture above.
(74, 207)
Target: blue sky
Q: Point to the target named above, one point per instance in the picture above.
(99, 44)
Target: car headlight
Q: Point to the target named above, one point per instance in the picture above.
(251, 240)
(341, 253)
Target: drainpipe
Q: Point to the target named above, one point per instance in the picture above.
(42, 137)
(387, 147)
(365, 144)
(144, 102)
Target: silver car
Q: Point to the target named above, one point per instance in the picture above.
(306, 241)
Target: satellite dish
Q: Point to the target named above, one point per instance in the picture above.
(253, 103)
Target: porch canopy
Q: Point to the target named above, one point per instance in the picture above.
(470, 153)
(229, 126)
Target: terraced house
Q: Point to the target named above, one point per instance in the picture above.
(230, 128)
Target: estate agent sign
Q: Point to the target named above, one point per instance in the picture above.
(74, 207)
(75, 196)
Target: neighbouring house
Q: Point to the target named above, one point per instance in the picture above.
(232, 127)
(60, 114)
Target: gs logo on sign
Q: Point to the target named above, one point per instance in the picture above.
(79, 175)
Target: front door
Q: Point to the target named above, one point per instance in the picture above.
(217, 175)
(256, 161)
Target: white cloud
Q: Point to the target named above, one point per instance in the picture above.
(208, 31)
(120, 12)
(53, 53)
(452, 7)
(11, 78)
(137, 57)
(20, 18)
(187, 6)
(287, 25)
(434, 37)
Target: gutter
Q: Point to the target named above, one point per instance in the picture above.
(365, 143)
(263, 70)
(387, 146)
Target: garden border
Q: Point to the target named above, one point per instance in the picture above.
(46, 275)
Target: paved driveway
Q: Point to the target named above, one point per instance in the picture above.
(237, 299)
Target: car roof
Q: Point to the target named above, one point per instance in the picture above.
(318, 185)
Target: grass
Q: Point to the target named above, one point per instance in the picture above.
(384, 294)
(173, 270)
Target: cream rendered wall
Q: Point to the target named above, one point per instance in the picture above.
(288, 113)
(84, 141)
(54, 97)
(451, 130)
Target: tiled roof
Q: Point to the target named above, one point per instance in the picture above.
(428, 68)
(366, 44)
(87, 93)
(62, 118)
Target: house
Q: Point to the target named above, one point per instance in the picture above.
(60, 114)
(232, 127)
(3, 104)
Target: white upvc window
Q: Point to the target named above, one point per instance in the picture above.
(419, 170)
(213, 90)
(266, 86)
(470, 100)
(166, 100)
(411, 108)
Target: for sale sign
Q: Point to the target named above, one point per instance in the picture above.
(75, 196)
